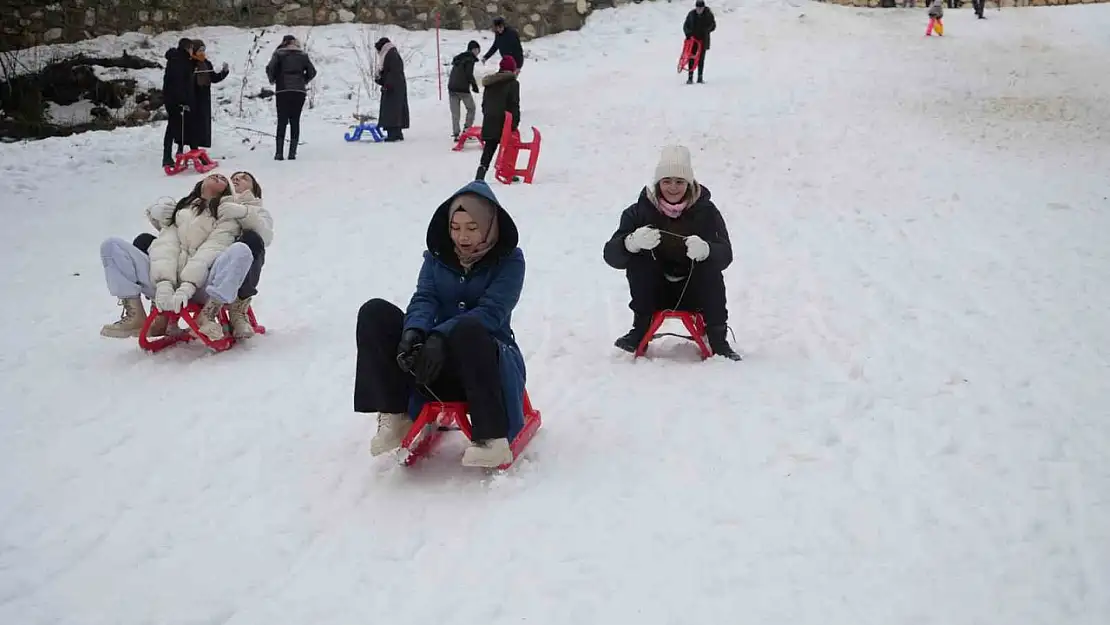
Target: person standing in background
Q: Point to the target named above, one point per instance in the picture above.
(289, 70)
(459, 85)
(699, 24)
(177, 89)
(506, 41)
(198, 126)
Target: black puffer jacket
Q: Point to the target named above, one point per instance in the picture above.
(699, 26)
(507, 42)
(502, 95)
(177, 82)
(462, 79)
(702, 219)
(290, 69)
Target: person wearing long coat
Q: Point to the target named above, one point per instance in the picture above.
(393, 113)
(455, 342)
(198, 124)
(501, 97)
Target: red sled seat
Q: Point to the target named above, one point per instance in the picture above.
(198, 157)
(695, 325)
(189, 316)
(474, 132)
(437, 417)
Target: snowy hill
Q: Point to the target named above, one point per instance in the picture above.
(917, 435)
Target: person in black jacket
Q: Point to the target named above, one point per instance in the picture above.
(674, 247)
(699, 23)
(393, 111)
(507, 42)
(289, 70)
(459, 85)
(198, 127)
(501, 95)
(177, 89)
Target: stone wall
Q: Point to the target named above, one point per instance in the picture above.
(24, 24)
(991, 4)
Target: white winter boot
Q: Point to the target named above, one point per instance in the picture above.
(241, 327)
(130, 322)
(489, 454)
(392, 428)
(208, 321)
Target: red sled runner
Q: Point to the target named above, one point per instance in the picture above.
(691, 51)
(175, 334)
(695, 325)
(437, 417)
(198, 157)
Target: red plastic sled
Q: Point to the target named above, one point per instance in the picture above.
(505, 168)
(691, 50)
(189, 316)
(695, 325)
(474, 132)
(198, 157)
(437, 417)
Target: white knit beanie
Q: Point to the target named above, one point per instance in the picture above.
(674, 162)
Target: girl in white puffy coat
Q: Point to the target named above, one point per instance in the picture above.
(195, 251)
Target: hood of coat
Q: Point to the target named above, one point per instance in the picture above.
(439, 229)
(493, 79)
(463, 58)
(177, 54)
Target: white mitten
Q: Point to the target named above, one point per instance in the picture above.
(644, 238)
(697, 249)
(163, 296)
(231, 210)
(184, 293)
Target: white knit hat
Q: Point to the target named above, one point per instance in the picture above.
(674, 162)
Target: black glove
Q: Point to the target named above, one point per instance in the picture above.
(411, 340)
(474, 89)
(429, 362)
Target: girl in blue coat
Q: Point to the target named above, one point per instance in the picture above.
(455, 341)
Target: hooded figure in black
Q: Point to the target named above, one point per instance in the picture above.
(198, 127)
(506, 41)
(459, 85)
(502, 95)
(699, 23)
(177, 89)
(393, 113)
(289, 70)
(674, 247)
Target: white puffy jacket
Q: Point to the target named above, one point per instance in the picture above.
(185, 249)
(258, 218)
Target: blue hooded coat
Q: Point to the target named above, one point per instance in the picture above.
(488, 292)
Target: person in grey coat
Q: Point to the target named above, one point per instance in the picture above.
(289, 70)
(393, 113)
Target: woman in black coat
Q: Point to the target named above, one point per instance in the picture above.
(198, 124)
(393, 114)
(501, 96)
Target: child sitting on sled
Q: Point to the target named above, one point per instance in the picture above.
(455, 341)
(673, 246)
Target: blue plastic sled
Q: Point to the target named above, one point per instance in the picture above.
(356, 134)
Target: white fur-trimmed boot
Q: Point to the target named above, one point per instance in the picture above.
(208, 320)
(130, 322)
(241, 327)
(489, 454)
(392, 428)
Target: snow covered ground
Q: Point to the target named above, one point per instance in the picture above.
(918, 433)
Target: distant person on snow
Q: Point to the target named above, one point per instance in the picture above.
(507, 42)
(459, 85)
(289, 70)
(196, 250)
(393, 113)
(936, 18)
(501, 96)
(180, 98)
(698, 26)
(198, 125)
(455, 341)
(673, 246)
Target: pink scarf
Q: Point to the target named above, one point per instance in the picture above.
(671, 210)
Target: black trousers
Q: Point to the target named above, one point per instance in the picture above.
(488, 151)
(979, 5)
(471, 372)
(701, 63)
(652, 292)
(175, 133)
(250, 238)
(289, 107)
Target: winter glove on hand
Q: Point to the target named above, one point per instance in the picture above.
(163, 296)
(431, 358)
(644, 238)
(184, 293)
(696, 248)
(411, 340)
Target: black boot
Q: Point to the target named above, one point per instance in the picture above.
(718, 342)
(481, 173)
(279, 152)
(630, 342)
(690, 79)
